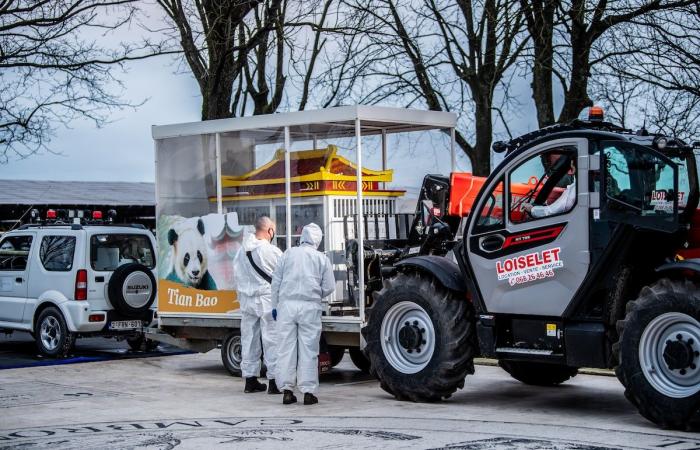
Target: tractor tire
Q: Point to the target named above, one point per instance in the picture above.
(659, 354)
(336, 353)
(421, 338)
(538, 374)
(359, 359)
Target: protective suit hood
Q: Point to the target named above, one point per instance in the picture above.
(312, 235)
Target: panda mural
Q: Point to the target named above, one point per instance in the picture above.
(189, 256)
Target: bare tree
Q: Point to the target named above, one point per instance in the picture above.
(445, 55)
(565, 35)
(53, 68)
(248, 55)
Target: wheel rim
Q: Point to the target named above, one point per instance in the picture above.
(50, 333)
(233, 352)
(408, 337)
(669, 353)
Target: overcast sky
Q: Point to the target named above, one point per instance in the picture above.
(121, 150)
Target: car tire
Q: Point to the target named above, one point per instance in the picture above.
(52, 336)
(538, 374)
(659, 354)
(359, 359)
(421, 338)
(131, 304)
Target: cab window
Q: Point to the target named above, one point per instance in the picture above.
(639, 181)
(491, 215)
(543, 186)
(14, 252)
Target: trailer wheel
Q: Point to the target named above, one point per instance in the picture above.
(231, 353)
(538, 374)
(660, 354)
(359, 359)
(336, 353)
(421, 338)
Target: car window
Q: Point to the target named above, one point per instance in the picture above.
(639, 180)
(491, 215)
(109, 251)
(544, 185)
(56, 253)
(14, 252)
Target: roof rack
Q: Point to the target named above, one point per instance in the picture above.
(79, 226)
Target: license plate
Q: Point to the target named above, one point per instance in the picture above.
(124, 324)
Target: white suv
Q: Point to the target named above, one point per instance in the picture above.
(60, 282)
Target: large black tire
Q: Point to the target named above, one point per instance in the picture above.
(538, 374)
(445, 314)
(359, 359)
(336, 353)
(645, 333)
(231, 353)
(53, 339)
(132, 302)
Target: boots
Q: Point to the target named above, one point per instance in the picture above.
(253, 385)
(272, 387)
(310, 399)
(288, 398)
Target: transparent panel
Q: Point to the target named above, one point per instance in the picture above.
(491, 216)
(544, 185)
(323, 191)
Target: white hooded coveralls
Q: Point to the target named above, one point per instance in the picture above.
(257, 326)
(304, 276)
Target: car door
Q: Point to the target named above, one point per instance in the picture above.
(533, 262)
(15, 251)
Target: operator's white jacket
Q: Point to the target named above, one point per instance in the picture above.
(254, 293)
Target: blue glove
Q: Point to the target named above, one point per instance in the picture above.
(274, 314)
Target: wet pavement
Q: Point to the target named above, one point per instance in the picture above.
(190, 401)
(18, 350)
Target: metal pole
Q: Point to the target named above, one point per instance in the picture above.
(360, 222)
(453, 155)
(384, 153)
(287, 187)
(315, 142)
(219, 188)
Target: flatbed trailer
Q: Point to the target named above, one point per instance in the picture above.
(213, 178)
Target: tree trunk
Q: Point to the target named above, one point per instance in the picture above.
(576, 98)
(481, 156)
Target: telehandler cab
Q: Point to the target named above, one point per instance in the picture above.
(570, 257)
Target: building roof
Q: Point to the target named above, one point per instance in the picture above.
(113, 193)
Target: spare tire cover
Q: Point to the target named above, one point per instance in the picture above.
(132, 289)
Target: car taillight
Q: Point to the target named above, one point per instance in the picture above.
(81, 285)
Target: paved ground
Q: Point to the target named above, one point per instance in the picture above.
(19, 350)
(190, 401)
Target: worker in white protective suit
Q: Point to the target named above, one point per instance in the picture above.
(253, 268)
(304, 276)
